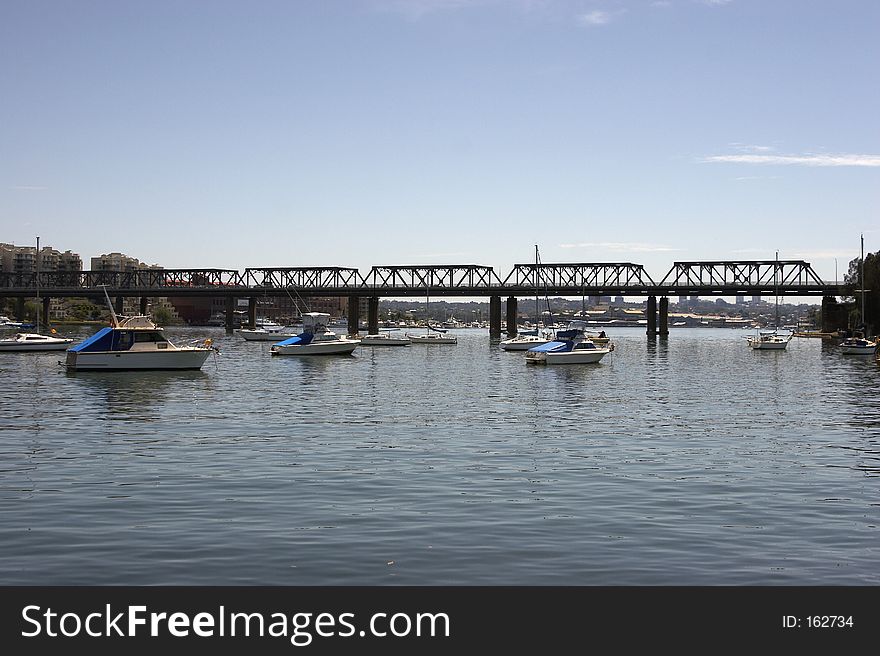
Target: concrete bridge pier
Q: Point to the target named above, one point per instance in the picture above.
(44, 317)
(354, 317)
(143, 305)
(230, 313)
(511, 316)
(664, 317)
(119, 304)
(252, 312)
(494, 317)
(19, 308)
(651, 316)
(373, 315)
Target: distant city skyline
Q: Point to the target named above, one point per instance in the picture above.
(417, 132)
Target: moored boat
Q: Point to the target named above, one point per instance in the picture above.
(432, 338)
(34, 342)
(316, 339)
(571, 346)
(525, 340)
(385, 338)
(768, 340)
(134, 343)
(858, 346)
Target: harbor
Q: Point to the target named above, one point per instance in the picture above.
(454, 463)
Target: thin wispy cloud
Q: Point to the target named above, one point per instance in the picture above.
(415, 9)
(798, 160)
(750, 148)
(622, 247)
(715, 3)
(597, 17)
(28, 188)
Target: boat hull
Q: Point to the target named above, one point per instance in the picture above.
(180, 358)
(60, 346)
(768, 346)
(264, 335)
(431, 339)
(341, 347)
(379, 340)
(587, 356)
(858, 350)
(521, 344)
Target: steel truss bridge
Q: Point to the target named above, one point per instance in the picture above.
(783, 277)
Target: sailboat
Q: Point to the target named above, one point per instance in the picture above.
(860, 344)
(771, 340)
(531, 338)
(434, 335)
(35, 341)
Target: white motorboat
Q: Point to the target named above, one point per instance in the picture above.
(571, 346)
(316, 339)
(525, 340)
(6, 322)
(264, 334)
(34, 342)
(768, 340)
(432, 338)
(858, 346)
(134, 343)
(385, 338)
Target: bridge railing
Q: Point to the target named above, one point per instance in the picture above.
(790, 276)
(579, 276)
(301, 278)
(448, 277)
(765, 274)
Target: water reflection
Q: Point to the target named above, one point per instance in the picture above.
(136, 394)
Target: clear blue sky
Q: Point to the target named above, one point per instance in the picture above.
(374, 132)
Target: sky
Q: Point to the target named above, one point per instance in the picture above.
(232, 134)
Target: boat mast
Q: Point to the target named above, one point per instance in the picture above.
(776, 288)
(110, 305)
(38, 283)
(537, 303)
(864, 323)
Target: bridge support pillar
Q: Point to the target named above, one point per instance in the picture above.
(373, 315)
(664, 317)
(19, 309)
(144, 305)
(119, 304)
(45, 316)
(511, 316)
(835, 316)
(651, 316)
(230, 313)
(354, 318)
(494, 317)
(252, 312)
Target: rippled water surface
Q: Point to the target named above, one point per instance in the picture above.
(687, 461)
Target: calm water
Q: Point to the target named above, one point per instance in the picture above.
(692, 461)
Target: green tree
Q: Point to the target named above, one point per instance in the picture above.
(871, 285)
(161, 316)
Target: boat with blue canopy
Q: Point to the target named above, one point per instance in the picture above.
(316, 339)
(134, 343)
(570, 346)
